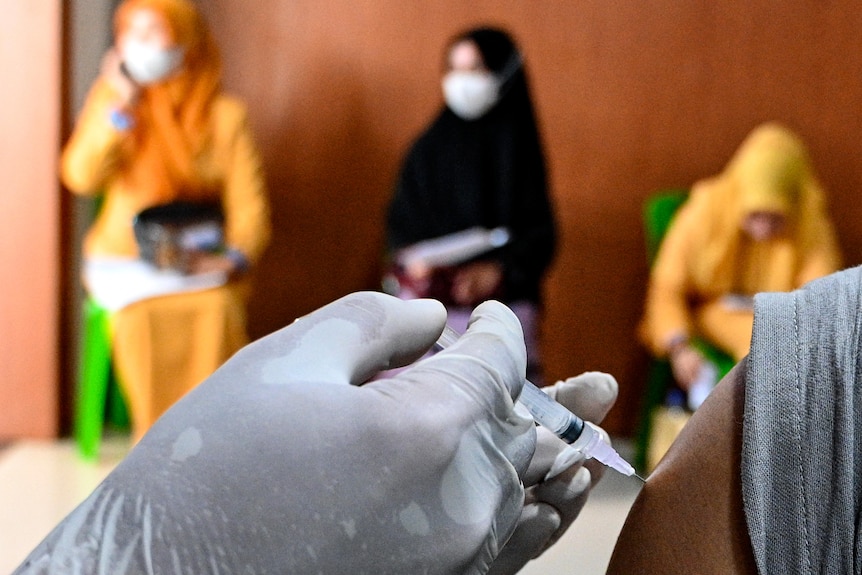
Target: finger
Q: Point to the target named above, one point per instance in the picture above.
(492, 349)
(567, 494)
(589, 396)
(537, 524)
(348, 340)
(551, 457)
(569, 457)
(479, 374)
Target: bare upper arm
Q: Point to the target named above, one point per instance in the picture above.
(689, 518)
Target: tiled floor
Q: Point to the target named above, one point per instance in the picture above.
(40, 482)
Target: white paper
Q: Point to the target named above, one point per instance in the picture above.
(703, 385)
(115, 283)
(453, 249)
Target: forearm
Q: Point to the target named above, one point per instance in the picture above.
(667, 320)
(94, 152)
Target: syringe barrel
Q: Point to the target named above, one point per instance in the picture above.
(562, 422)
(550, 414)
(547, 412)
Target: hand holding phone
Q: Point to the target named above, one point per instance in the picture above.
(114, 71)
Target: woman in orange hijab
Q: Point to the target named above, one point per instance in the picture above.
(157, 129)
(761, 225)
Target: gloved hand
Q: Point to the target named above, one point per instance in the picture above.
(279, 463)
(559, 479)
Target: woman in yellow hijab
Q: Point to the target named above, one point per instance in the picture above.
(157, 129)
(761, 225)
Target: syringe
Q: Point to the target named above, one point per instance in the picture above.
(582, 435)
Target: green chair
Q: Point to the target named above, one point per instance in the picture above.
(658, 215)
(98, 398)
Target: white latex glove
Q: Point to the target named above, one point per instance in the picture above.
(551, 505)
(279, 463)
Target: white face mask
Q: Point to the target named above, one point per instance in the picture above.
(147, 64)
(470, 94)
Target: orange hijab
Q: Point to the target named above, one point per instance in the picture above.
(771, 171)
(172, 117)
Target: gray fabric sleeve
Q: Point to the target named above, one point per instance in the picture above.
(800, 463)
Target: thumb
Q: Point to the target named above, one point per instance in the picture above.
(492, 348)
(589, 396)
(349, 340)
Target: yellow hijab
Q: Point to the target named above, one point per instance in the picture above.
(771, 172)
(172, 117)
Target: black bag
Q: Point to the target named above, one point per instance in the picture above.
(169, 235)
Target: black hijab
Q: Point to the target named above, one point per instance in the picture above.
(485, 172)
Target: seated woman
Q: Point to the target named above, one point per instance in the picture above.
(480, 164)
(156, 129)
(764, 479)
(761, 225)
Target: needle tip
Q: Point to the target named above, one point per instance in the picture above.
(639, 477)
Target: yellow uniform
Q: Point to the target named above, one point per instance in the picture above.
(706, 256)
(166, 345)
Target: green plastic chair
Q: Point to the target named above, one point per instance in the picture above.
(98, 397)
(658, 214)
(659, 211)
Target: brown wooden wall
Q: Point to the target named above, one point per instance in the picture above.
(632, 97)
(30, 218)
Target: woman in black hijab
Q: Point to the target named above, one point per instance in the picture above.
(479, 164)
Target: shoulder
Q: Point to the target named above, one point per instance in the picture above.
(705, 192)
(706, 208)
(802, 371)
(435, 136)
(689, 515)
(441, 126)
(840, 291)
